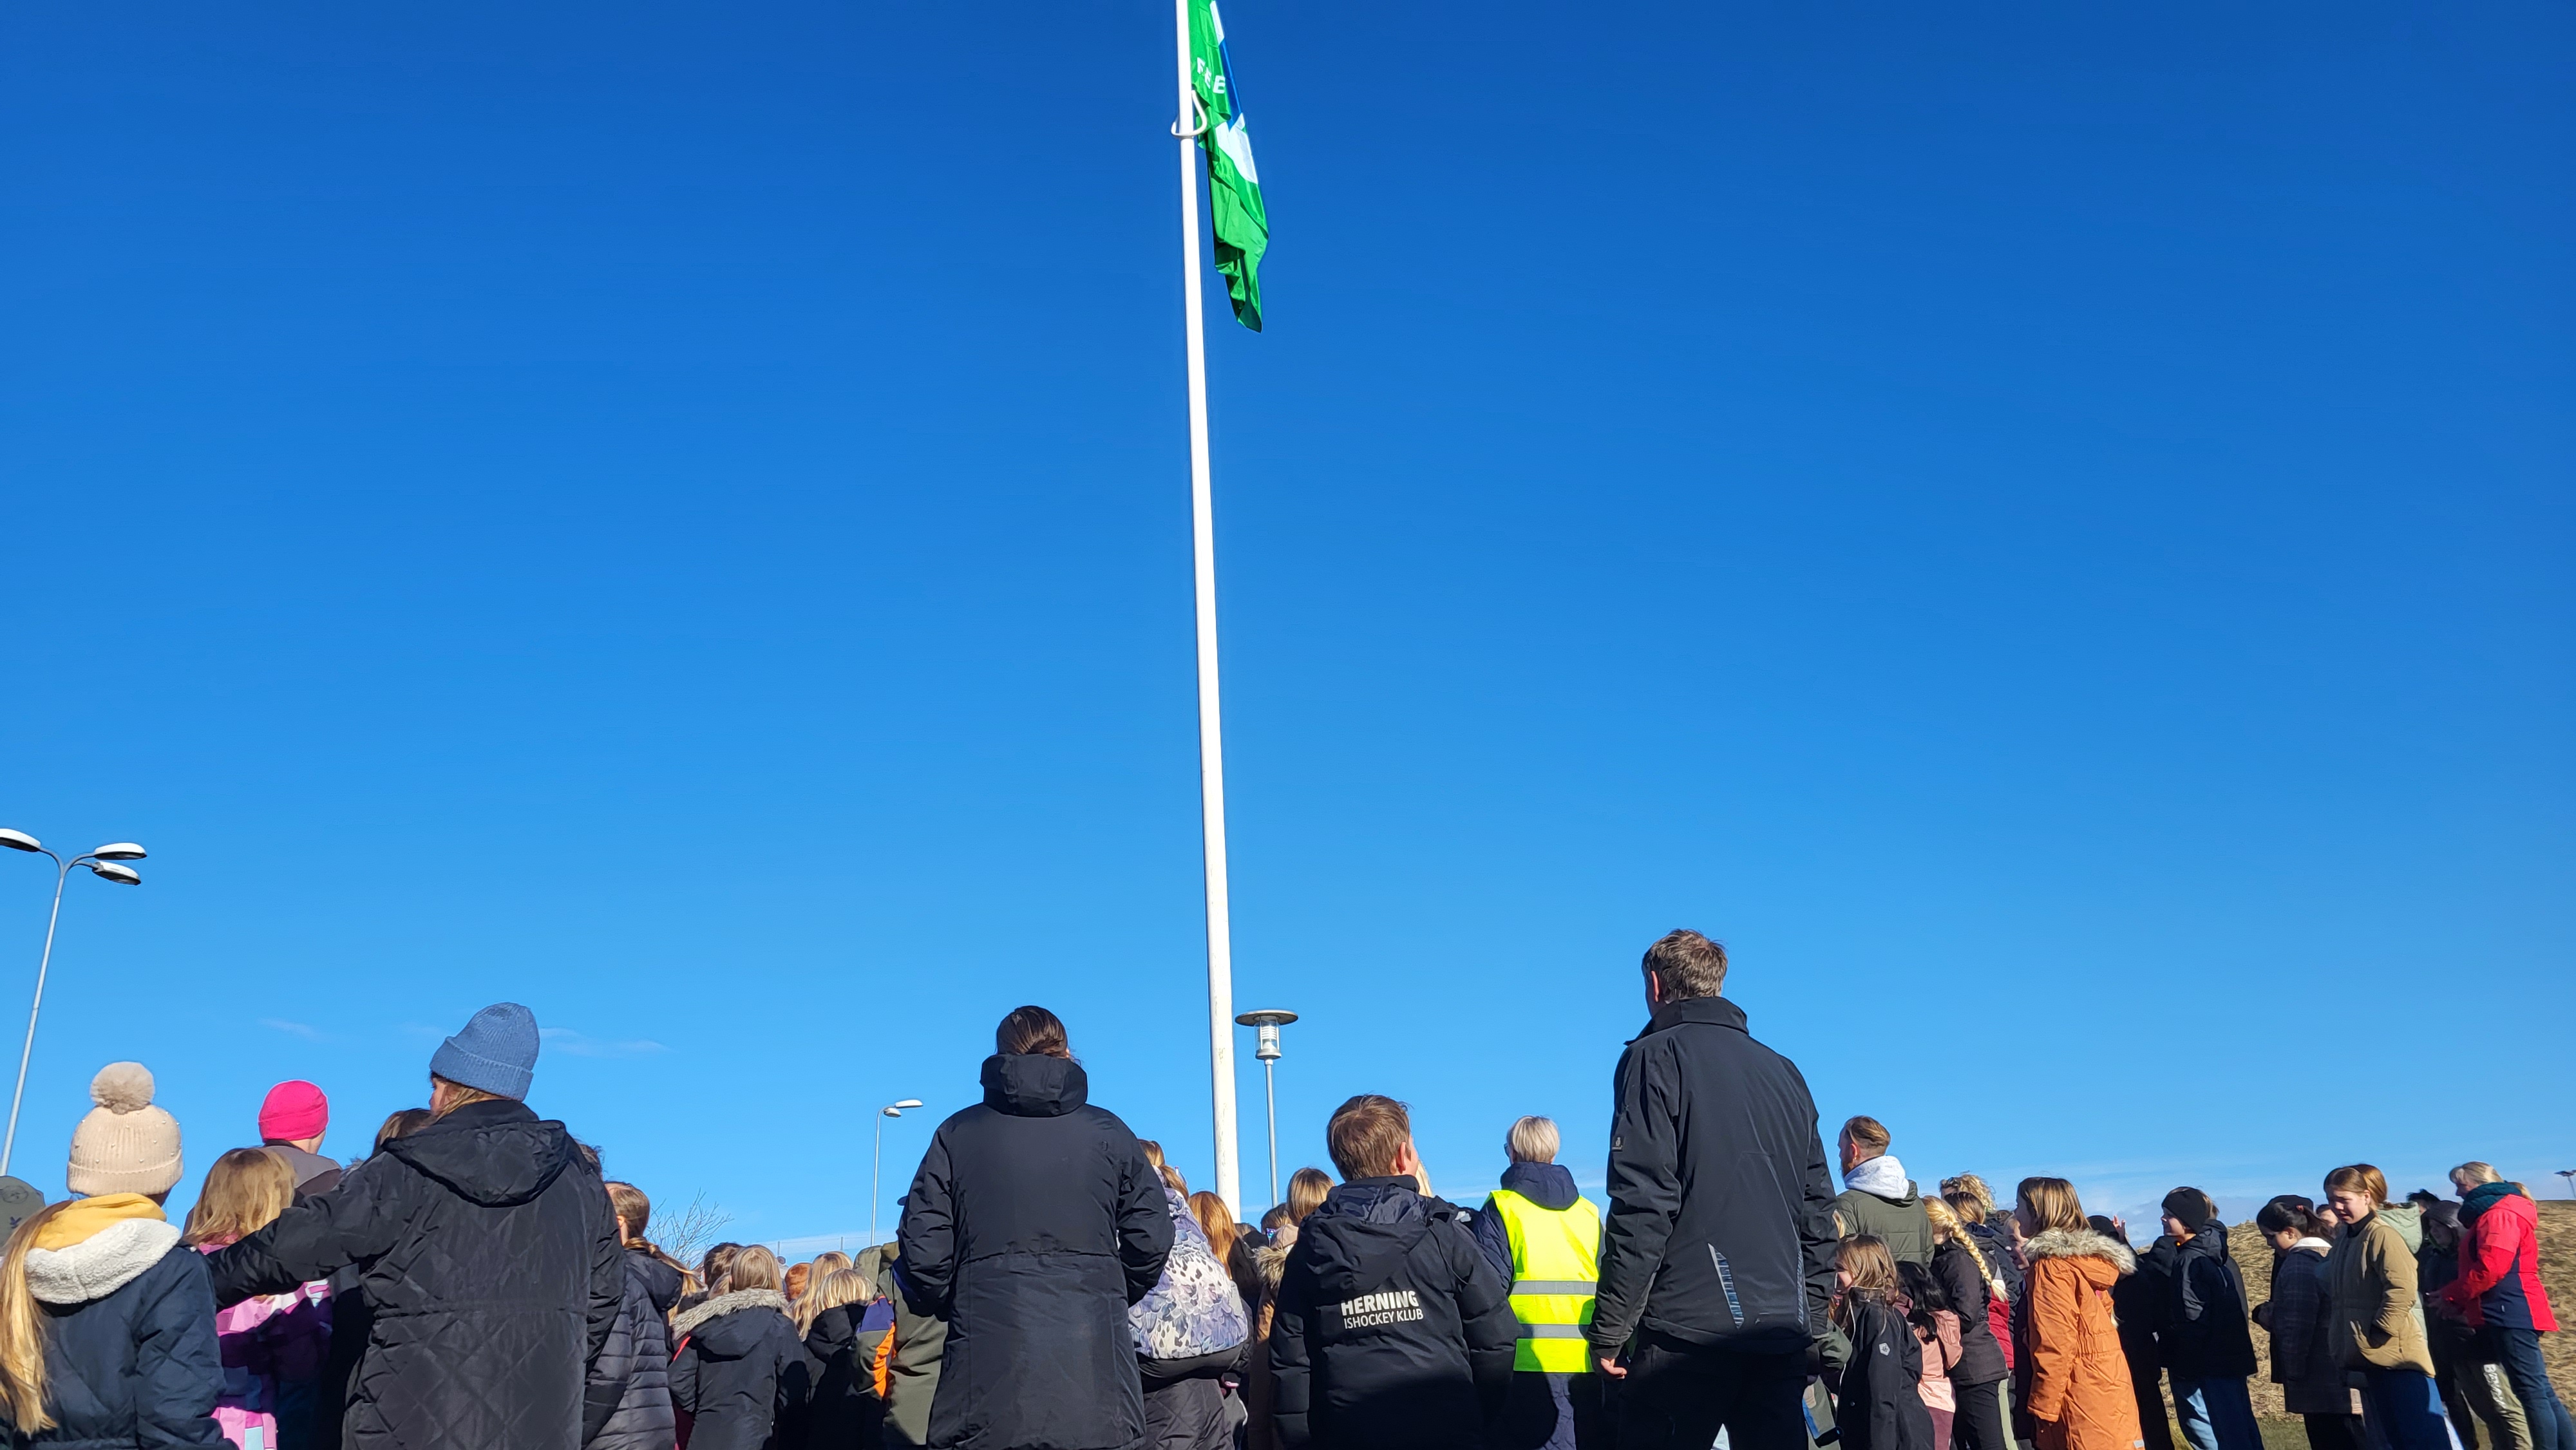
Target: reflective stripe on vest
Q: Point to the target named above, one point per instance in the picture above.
(1556, 1256)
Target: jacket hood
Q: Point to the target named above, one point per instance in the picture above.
(1026, 1085)
(1549, 1185)
(1363, 1230)
(1714, 1011)
(497, 1154)
(835, 1328)
(730, 1326)
(1883, 1177)
(2068, 1243)
(2408, 1220)
(2209, 1241)
(101, 1263)
(662, 1283)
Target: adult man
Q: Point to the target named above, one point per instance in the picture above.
(489, 1254)
(292, 1119)
(1717, 1254)
(1877, 1197)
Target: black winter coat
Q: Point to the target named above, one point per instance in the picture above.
(2203, 1329)
(1033, 1223)
(1391, 1327)
(1721, 1223)
(491, 1265)
(1880, 1406)
(137, 1366)
(1981, 1360)
(741, 1372)
(628, 1406)
(846, 1413)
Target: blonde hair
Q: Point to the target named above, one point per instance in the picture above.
(1306, 1190)
(1533, 1140)
(1946, 1228)
(828, 1290)
(1970, 1196)
(22, 1328)
(1872, 1269)
(244, 1192)
(2359, 1177)
(2052, 1204)
(753, 1268)
(830, 1260)
(458, 1095)
(2474, 1172)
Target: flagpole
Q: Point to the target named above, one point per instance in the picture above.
(1220, 945)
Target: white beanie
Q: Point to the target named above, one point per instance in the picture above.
(124, 1145)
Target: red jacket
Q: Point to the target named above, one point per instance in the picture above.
(2499, 1279)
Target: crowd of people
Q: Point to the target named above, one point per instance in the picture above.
(475, 1282)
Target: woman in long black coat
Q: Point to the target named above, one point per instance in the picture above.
(1033, 1223)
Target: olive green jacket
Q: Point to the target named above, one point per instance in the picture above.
(1901, 1222)
(2381, 1319)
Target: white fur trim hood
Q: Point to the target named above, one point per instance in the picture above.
(2070, 1243)
(724, 1304)
(101, 1264)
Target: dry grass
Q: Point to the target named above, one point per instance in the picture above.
(2557, 1274)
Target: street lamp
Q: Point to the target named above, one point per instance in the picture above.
(2570, 1175)
(876, 1165)
(1269, 1021)
(102, 863)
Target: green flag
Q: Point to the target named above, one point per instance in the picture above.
(1234, 185)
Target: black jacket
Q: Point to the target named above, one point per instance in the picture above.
(1033, 1223)
(1391, 1328)
(2142, 1301)
(492, 1268)
(1721, 1226)
(1880, 1405)
(2203, 1330)
(741, 1372)
(845, 1413)
(1981, 1360)
(629, 1403)
(137, 1366)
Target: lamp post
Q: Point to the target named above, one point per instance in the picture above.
(2570, 1175)
(1269, 1020)
(876, 1164)
(102, 863)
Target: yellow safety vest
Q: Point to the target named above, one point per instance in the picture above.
(1556, 1260)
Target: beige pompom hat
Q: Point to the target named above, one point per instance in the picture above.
(125, 1144)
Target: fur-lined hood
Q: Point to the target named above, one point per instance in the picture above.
(101, 1264)
(1271, 1262)
(2072, 1243)
(724, 1304)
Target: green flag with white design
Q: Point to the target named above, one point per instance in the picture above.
(1242, 226)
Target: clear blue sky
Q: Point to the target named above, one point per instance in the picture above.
(2048, 533)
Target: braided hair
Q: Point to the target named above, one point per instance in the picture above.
(1945, 1225)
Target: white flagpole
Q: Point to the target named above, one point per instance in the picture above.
(1220, 946)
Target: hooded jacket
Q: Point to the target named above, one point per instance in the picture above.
(315, 1175)
(2072, 1379)
(2204, 1331)
(489, 1258)
(1392, 1328)
(2379, 1321)
(2499, 1281)
(1720, 1230)
(1880, 1406)
(741, 1372)
(1878, 1199)
(2307, 1361)
(1981, 1356)
(845, 1412)
(630, 1382)
(1033, 1223)
(129, 1322)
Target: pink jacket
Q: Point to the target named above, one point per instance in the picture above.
(266, 1341)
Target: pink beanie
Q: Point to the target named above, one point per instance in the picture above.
(292, 1110)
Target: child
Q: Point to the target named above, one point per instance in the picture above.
(2071, 1379)
(2208, 1352)
(1927, 1307)
(270, 1340)
(2306, 1360)
(1392, 1328)
(1880, 1406)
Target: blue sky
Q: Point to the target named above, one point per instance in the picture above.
(2048, 533)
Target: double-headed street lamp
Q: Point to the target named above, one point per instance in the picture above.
(103, 864)
(877, 1164)
(1266, 1048)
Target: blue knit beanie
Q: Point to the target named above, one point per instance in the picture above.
(497, 1051)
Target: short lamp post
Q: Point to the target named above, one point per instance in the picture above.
(1268, 1021)
(2570, 1175)
(876, 1165)
(102, 863)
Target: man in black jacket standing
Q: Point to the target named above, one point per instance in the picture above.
(488, 1248)
(1717, 1253)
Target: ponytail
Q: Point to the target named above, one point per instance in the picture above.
(22, 1329)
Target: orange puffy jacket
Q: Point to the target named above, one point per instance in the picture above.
(2075, 1380)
